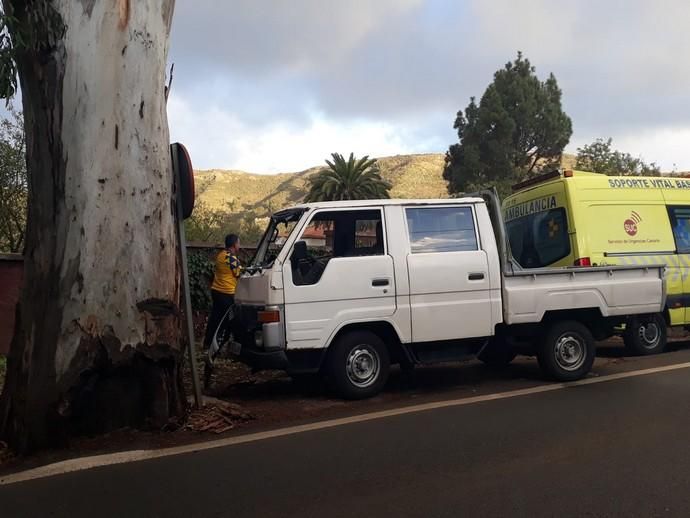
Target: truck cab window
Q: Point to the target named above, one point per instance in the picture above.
(441, 229)
(333, 235)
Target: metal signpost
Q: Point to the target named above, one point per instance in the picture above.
(184, 194)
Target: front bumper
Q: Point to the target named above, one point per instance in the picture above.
(262, 345)
(262, 359)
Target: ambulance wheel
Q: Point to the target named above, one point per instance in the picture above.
(645, 335)
(567, 351)
(497, 354)
(357, 365)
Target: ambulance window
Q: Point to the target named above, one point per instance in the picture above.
(540, 239)
(680, 222)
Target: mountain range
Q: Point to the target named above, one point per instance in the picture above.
(412, 176)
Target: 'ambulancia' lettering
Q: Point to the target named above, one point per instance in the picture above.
(530, 207)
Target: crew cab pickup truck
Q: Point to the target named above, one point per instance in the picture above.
(345, 289)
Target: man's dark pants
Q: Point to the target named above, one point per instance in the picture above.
(221, 303)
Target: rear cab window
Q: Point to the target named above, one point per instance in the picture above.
(441, 229)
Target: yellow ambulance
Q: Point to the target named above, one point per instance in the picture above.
(574, 218)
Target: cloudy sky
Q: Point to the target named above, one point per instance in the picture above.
(277, 85)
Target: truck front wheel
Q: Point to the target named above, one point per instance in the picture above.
(567, 351)
(645, 335)
(358, 365)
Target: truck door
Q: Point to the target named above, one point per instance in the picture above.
(450, 296)
(339, 270)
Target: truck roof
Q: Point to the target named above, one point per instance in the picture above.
(396, 201)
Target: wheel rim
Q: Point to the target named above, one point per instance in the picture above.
(363, 366)
(570, 351)
(649, 334)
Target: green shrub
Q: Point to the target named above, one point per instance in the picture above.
(200, 277)
(201, 264)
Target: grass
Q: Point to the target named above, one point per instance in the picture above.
(412, 176)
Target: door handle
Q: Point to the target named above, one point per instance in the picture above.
(475, 276)
(376, 283)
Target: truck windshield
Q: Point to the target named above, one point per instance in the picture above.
(277, 233)
(540, 239)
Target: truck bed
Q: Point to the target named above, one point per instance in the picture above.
(614, 290)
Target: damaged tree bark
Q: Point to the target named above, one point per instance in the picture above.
(97, 337)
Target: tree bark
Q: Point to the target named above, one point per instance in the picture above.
(97, 338)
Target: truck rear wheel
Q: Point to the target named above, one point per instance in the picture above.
(645, 335)
(567, 351)
(358, 365)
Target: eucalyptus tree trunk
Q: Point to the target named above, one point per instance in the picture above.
(97, 338)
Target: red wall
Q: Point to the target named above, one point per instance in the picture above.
(11, 268)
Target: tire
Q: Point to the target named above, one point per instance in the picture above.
(497, 354)
(358, 365)
(567, 351)
(645, 335)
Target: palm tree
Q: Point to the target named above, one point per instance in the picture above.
(348, 180)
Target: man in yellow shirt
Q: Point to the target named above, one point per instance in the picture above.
(225, 277)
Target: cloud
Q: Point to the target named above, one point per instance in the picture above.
(262, 38)
(617, 62)
(280, 85)
(668, 147)
(217, 139)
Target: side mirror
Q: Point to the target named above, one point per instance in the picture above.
(299, 251)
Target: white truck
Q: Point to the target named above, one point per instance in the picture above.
(345, 289)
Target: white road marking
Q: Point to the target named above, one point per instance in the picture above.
(96, 461)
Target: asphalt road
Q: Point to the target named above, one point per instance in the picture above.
(619, 448)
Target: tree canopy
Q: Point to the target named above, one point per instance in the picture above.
(352, 179)
(599, 157)
(518, 128)
(13, 183)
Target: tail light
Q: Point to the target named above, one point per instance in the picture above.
(583, 261)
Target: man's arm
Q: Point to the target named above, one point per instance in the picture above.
(235, 266)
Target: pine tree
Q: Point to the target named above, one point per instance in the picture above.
(517, 129)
